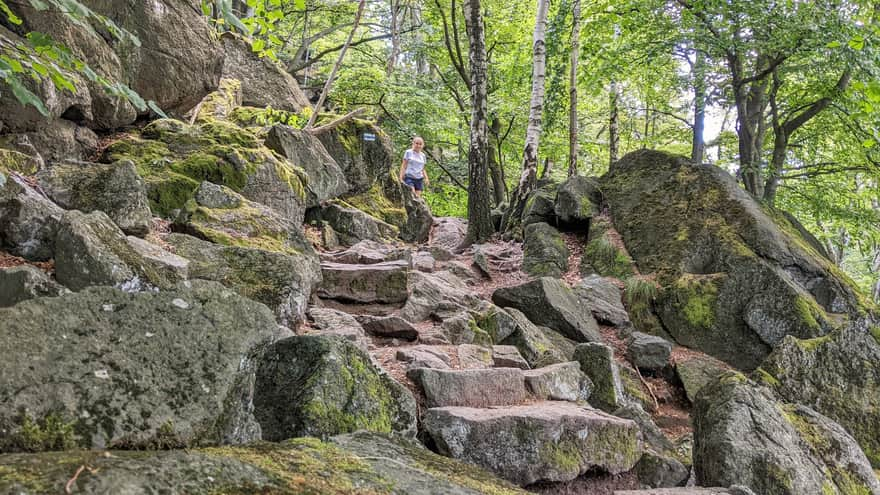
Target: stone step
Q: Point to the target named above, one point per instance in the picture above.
(734, 490)
(472, 387)
(544, 441)
(376, 283)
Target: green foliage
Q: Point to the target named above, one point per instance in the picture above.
(446, 200)
(40, 58)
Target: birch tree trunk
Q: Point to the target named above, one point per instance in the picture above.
(572, 91)
(395, 36)
(329, 83)
(698, 145)
(528, 179)
(613, 124)
(479, 214)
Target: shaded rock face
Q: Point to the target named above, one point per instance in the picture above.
(696, 372)
(263, 82)
(602, 296)
(736, 278)
(353, 225)
(283, 282)
(838, 375)
(116, 189)
(550, 302)
(364, 162)
(322, 386)
(533, 344)
(28, 220)
(577, 201)
(178, 61)
(540, 206)
(107, 369)
(549, 441)
(293, 467)
(743, 434)
(325, 178)
(597, 362)
(544, 251)
(648, 351)
(25, 282)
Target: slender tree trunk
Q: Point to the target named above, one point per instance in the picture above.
(329, 83)
(499, 188)
(698, 145)
(528, 179)
(572, 90)
(613, 125)
(548, 168)
(480, 226)
(395, 36)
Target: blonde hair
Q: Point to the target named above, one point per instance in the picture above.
(419, 138)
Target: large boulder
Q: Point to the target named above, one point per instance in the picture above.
(366, 156)
(176, 61)
(327, 321)
(549, 302)
(28, 220)
(544, 251)
(376, 283)
(438, 295)
(602, 296)
(736, 277)
(353, 225)
(744, 434)
(540, 205)
(577, 201)
(471, 387)
(322, 386)
(116, 189)
(447, 235)
(534, 344)
(282, 281)
(53, 141)
(325, 178)
(365, 462)
(838, 375)
(546, 441)
(263, 82)
(174, 158)
(597, 362)
(107, 369)
(24, 282)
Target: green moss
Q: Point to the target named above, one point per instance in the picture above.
(220, 103)
(147, 155)
(18, 162)
(696, 298)
(564, 455)
(49, 433)
(203, 166)
(376, 204)
(810, 345)
(808, 311)
(875, 332)
(607, 259)
(763, 376)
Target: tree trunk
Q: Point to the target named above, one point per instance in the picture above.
(613, 125)
(698, 145)
(528, 179)
(395, 36)
(499, 188)
(329, 83)
(480, 226)
(572, 90)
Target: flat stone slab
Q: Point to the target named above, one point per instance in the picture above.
(684, 491)
(508, 356)
(391, 327)
(563, 381)
(376, 283)
(471, 388)
(472, 357)
(545, 441)
(367, 252)
(423, 356)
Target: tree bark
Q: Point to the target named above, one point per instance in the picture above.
(329, 83)
(395, 36)
(698, 145)
(480, 226)
(572, 90)
(613, 124)
(499, 188)
(528, 179)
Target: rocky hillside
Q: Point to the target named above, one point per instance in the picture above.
(220, 302)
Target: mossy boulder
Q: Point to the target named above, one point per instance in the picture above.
(326, 179)
(351, 224)
(597, 362)
(28, 221)
(103, 368)
(545, 441)
(346, 464)
(544, 251)
(116, 189)
(22, 163)
(224, 217)
(838, 375)
(744, 434)
(736, 277)
(282, 281)
(540, 205)
(322, 386)
(366, 156)
(173, 158)
(577, 201)
(535, 344)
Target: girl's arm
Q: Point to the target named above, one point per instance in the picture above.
(402, 169)
(425, 173)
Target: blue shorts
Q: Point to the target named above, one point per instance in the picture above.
(417, 184)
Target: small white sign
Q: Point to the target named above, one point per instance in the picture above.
(368, 136)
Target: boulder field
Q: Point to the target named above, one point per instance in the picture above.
(220, 302)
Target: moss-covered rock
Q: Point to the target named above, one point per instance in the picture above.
(577, 201)
(743, 434)
(838, 375)
(544, 251)
(107, 369)
(540, 205)
(282, 281)
(535, 345)
(322, 386)
(361, 463)
(116, 189)
(173, 158)
(326, 179)
(735, 277)
(15, 161)
(351, 224)
(546, 441)
(28, 221)
(220, 103)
